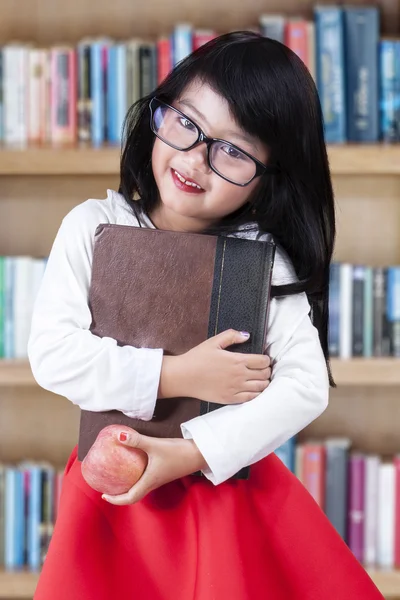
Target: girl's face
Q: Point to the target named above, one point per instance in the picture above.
(188, 208)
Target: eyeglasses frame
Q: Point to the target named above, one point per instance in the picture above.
(208, 141)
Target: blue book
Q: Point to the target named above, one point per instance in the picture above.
(334, 310)
(14, 519)
(182, 42)
(331, 70)
(98, 84)
(389, 88)
(34, 518)
(286, 453)
(117, 91)
(361, 35)
(393, 308)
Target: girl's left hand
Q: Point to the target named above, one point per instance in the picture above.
(168, 459)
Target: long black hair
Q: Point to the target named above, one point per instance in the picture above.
(271, 95)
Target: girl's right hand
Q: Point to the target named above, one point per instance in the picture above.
(212, 373)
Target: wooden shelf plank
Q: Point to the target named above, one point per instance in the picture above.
(18, 584)
(16, 372)
(366, 371)
(353, 372)
(345, 159)
(60, 161)
(23, 584)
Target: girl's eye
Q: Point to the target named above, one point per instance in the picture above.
(186, 124)
(232, 152)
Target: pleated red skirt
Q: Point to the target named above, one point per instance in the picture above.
(264, 538)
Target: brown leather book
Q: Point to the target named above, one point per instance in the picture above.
(171, 290)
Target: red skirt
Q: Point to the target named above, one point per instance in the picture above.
(264, 538)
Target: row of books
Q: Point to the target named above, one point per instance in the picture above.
(364, 307)
(359, 493)
(364, 311)
(68, 94)
(20, 278)
(29, 500)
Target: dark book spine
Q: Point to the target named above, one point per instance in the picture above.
(358, 311)
(361, 27)
(336, 483)
(84, 93)
(386, 327)
(378, 309)
(334, 312)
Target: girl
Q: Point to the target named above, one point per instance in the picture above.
(230, 143)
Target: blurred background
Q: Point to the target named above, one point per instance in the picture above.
(68, 73)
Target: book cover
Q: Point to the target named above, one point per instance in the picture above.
(356, 506)
(372, 463)
(361, 34)
(331, 71)
(313, 471)
(336, 482)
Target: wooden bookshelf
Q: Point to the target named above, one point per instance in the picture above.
(22, 585)
(39, 186)
(353, 372)
(344, 159)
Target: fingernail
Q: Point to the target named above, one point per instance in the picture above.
(245, 334)
(123, 436)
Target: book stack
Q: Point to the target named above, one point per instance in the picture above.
(20, 278)
(29, 499)
(364, 311)
(359, 493)
(80, 94)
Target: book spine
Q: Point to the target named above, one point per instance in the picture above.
(121, 104)
(372, 463)
(336, 483)
(164, 61)
(2, 306)
(334, 314)
(34, 516)
(393, 308)
(296, 38)
(314, 471)
(1, 96)
(9, 270)
(36, 75)
(286, 452)
(15, 95)
(358, 311)
(346, 310)
(63, 101)
(379, 309)
(273, 27)
(361, 26)
(396, 462)
(112, 95)
(356, 513)
(96, 84)
(183, 42)
(330, 71)
(389, 127)
(386, 516)
(201, 37)
(368, 313)
(84, 95)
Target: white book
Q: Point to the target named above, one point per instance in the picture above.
(22, 301)
(346, 310)
(386, 516)
(37, 84)
(15, 90)
(372, 464)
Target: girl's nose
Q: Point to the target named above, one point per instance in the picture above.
(197, 158)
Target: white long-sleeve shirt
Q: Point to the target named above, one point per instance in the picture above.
(97, 374)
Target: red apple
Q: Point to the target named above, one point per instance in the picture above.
(111, 467)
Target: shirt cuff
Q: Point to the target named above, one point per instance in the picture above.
(215, 455)
(148, 363)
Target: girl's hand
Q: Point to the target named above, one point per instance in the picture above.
(168, 459)
(212, 373)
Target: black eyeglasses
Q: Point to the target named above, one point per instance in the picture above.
(226, 160)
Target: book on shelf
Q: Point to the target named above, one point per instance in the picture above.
(29, 499)
(80, 94)
(359, 493)
(364, 311)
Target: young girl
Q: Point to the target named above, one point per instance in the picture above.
(230, 143)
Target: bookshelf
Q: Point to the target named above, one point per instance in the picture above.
(38, 186)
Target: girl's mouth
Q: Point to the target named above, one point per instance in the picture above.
(185, 184)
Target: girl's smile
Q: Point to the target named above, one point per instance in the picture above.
(185, 184)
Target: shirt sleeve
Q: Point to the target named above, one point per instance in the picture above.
(66, 358)
(239, 435)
